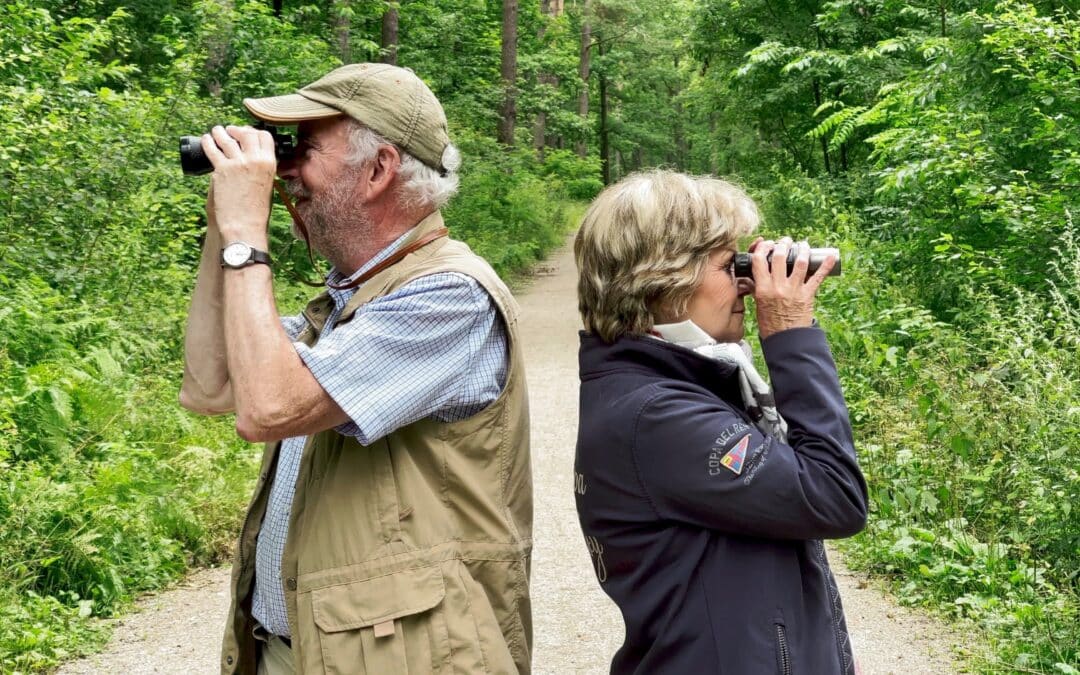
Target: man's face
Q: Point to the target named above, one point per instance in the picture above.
(323, 184)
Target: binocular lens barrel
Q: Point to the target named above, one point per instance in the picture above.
(193, 160)
(743, 267)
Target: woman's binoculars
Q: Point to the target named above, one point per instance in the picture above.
(743, 267)
(194, 161)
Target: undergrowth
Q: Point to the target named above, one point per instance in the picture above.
(968, 432)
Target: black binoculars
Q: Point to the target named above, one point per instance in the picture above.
(194, 161)
(743, 267)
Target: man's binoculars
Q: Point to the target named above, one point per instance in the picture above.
(194, 161)
(743, 267)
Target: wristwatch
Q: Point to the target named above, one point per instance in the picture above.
(240, 254)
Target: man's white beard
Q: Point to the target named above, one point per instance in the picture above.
(337, 228)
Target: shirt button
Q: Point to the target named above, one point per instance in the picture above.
(228, 660)
(290, 584)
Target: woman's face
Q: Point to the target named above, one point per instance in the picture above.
(717, 305)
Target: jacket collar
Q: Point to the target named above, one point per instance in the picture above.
(649, 355)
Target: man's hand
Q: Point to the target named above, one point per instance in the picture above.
(244, 167)
(784, 301)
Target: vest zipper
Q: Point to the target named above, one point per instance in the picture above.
(782, 646)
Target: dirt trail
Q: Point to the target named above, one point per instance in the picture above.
(577, 628)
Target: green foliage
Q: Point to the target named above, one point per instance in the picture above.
(968, 428)
(108, 489)
(935, 143)
(36, 631)
(968, 434)
(975, 518)
(505, 210)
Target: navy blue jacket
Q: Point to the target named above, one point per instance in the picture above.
(705, 532)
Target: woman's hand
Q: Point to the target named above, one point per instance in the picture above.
(784, 301)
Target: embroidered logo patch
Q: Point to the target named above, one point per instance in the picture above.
(734, 457)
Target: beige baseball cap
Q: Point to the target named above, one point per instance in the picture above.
(392, 101)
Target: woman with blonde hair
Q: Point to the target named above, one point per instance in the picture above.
(704, 499)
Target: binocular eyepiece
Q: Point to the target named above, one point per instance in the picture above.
(743, 267)
(194, 161)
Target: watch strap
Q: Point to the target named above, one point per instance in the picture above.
(258, 256)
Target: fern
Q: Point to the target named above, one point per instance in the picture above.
(765, 54)
(843, 123)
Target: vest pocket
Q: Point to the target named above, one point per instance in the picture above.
(387, 624)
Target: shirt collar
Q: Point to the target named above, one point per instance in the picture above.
(340, 297)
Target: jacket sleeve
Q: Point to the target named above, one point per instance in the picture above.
(702, 463)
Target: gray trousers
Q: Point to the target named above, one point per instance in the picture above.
(275, 657)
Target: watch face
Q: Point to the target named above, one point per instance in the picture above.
(236, 254)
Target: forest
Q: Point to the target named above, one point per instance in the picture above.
(936, 143)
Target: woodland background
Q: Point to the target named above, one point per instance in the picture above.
(936, 142)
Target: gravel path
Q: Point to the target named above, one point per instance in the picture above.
(577, 627)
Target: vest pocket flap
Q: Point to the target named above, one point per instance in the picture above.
(365, 603)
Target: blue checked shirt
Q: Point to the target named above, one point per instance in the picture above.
(436, 348)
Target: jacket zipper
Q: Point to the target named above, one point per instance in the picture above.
(785, 656)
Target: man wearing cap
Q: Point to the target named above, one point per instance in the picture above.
(391, 526)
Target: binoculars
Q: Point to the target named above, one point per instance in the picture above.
(743, 267)
(194, 161)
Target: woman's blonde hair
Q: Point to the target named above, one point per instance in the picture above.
(644, 243)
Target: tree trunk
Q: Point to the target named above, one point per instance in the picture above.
(605, 168)
(678, 135)
(824, 143)
(509, 72)
(583, 67)
(277, 9)
(549, 8)
(217, 51)
(583, 71)
(389, 35)
(342, 28)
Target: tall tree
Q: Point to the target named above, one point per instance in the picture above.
(509, 72)
(389, 41)
(218, 45)
(584, 64)
(549, 9)
(605, 139)
(342, 28)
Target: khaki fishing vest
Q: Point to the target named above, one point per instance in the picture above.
(410, 555)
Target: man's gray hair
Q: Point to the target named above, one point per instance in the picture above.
(420, 186)
(644, 243)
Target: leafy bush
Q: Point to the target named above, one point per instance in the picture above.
(967, 429)
(968, 443)
(108, 489)
(504, 211)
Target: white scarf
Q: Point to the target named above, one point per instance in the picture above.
(757, 397)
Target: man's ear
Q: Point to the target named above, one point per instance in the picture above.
(382, 171)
